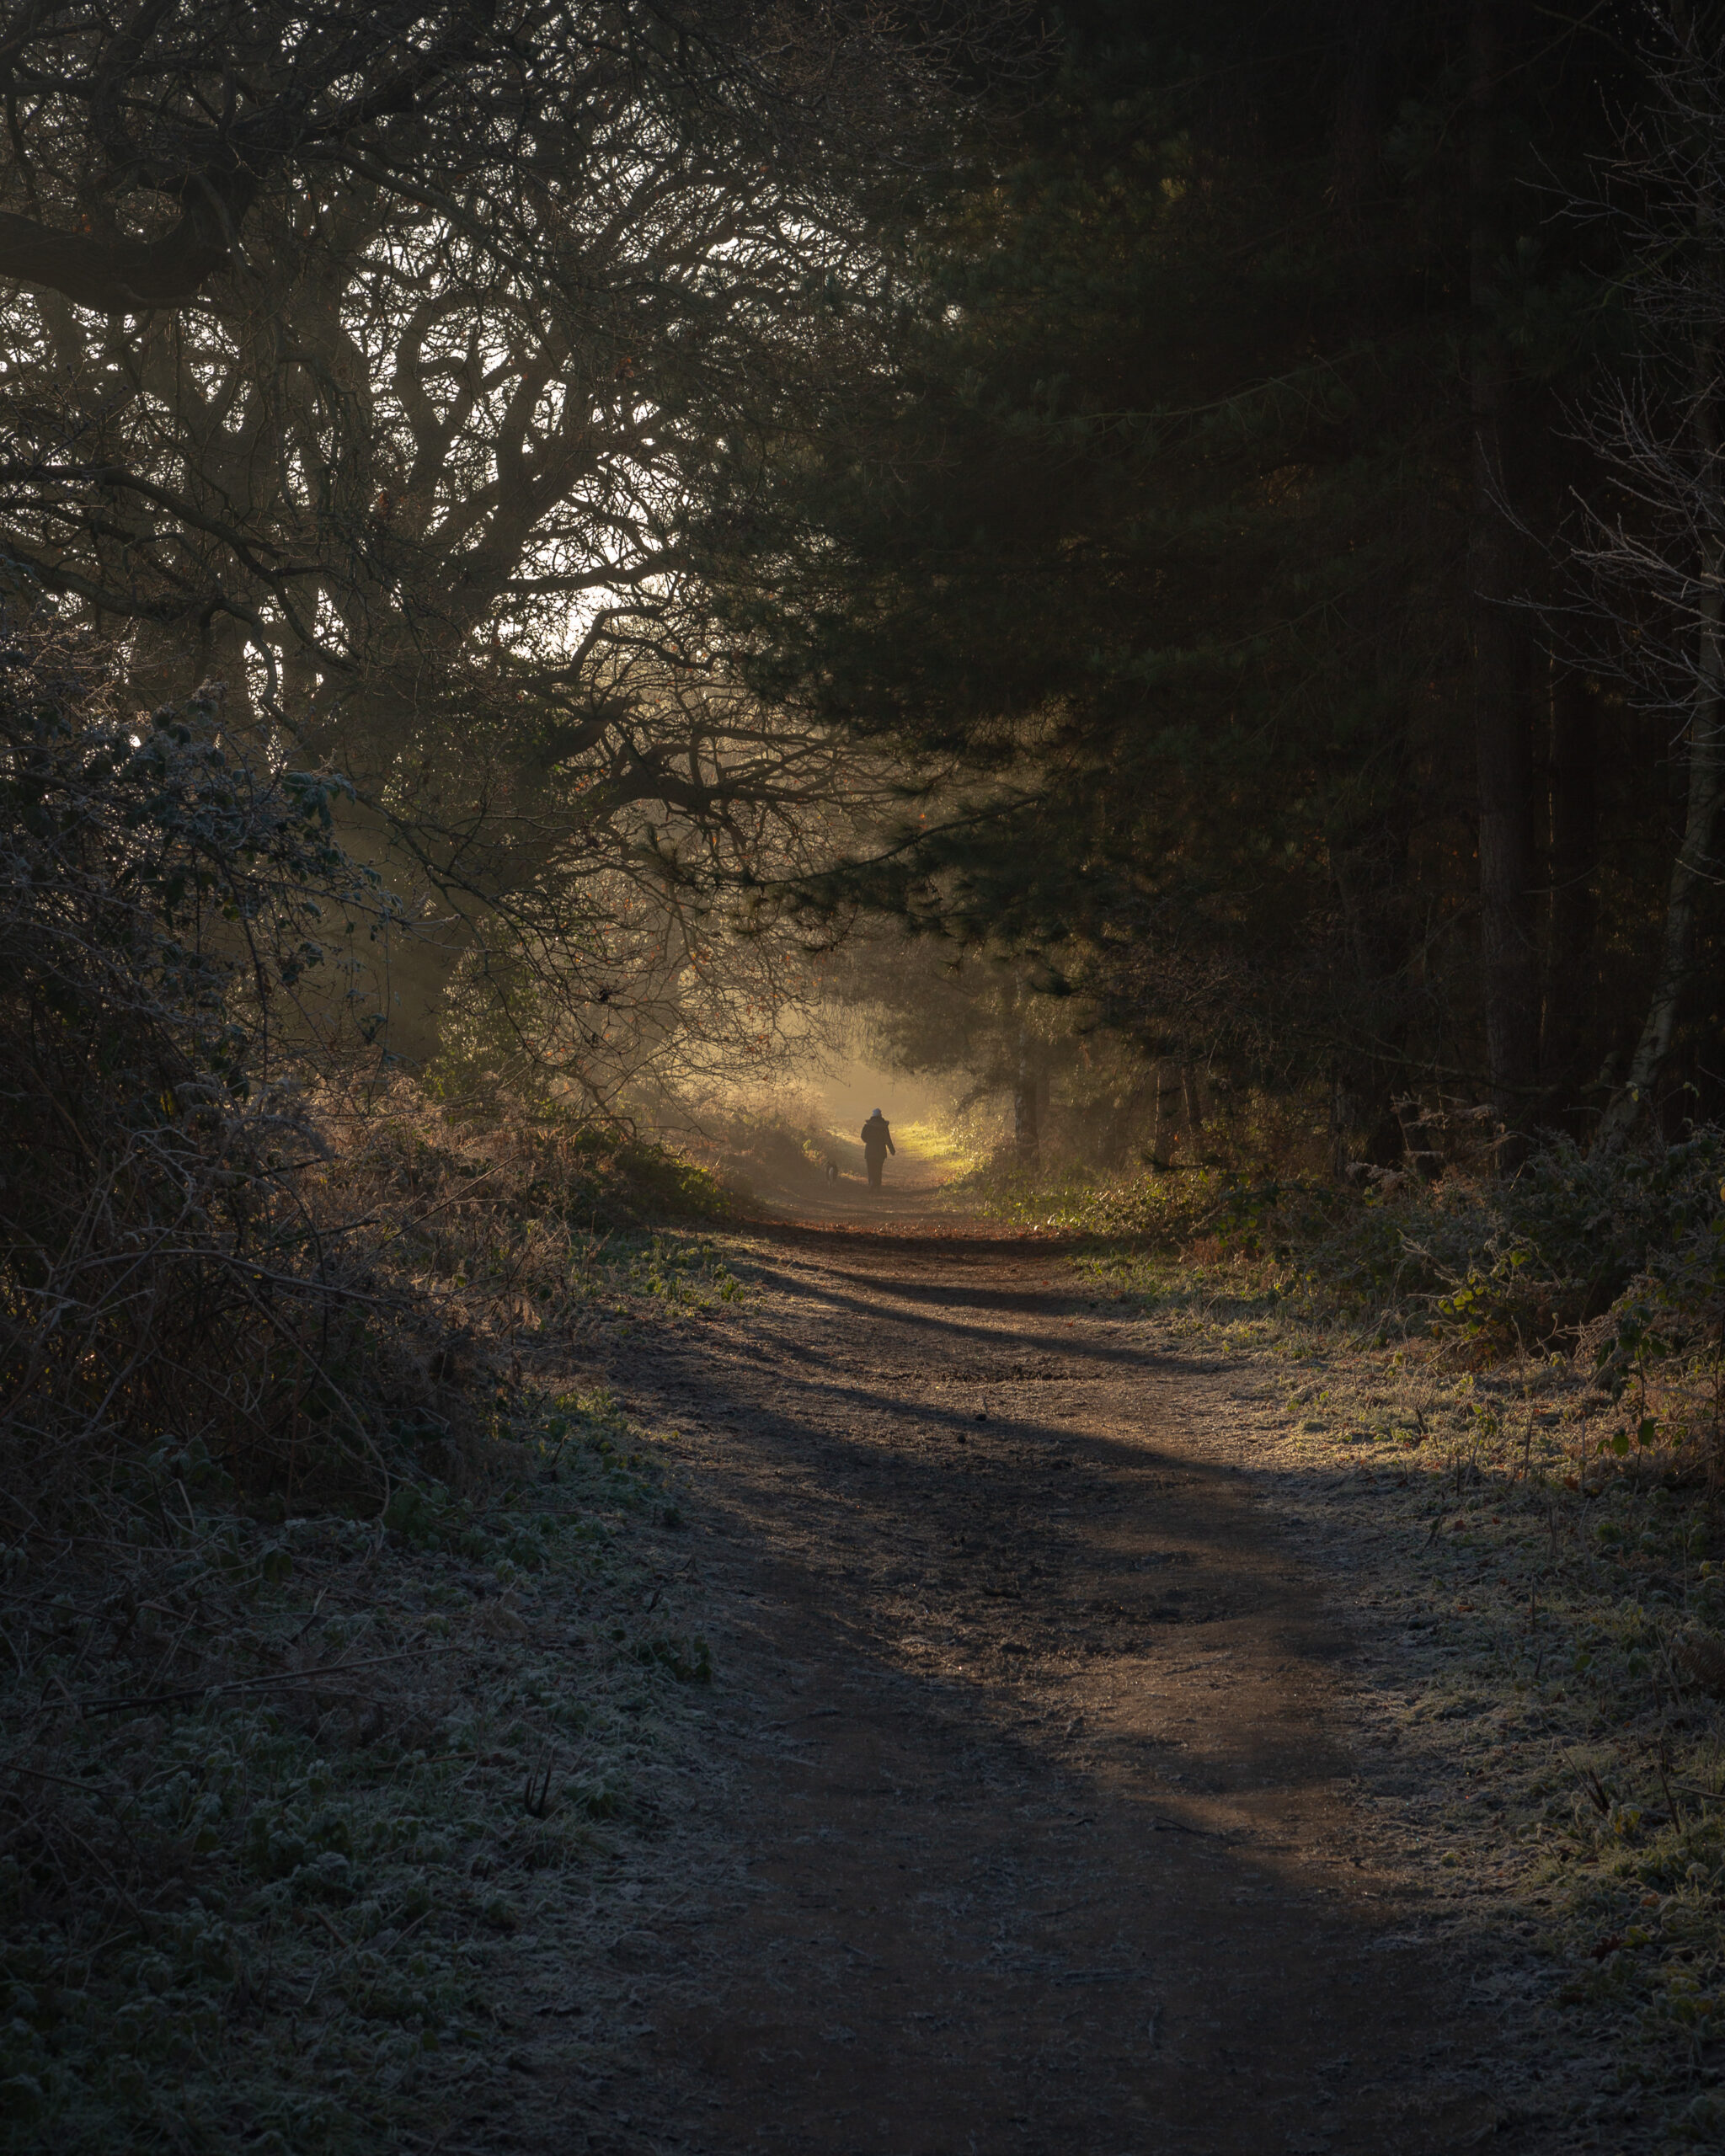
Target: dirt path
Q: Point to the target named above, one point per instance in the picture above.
(911, 1194)
(1031, 1772)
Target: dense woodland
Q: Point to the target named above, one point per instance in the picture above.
(1294, 490)
(1219, 524)
(1163, 564)
(547, 547)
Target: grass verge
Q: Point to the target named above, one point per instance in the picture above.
(278, 1796)
(1534, 1550)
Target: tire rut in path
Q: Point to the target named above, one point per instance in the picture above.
(1035, 1756)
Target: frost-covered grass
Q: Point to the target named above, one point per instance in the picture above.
(278, 1795)
(1503, 1400)
(1542, 1564)
(328, 1640)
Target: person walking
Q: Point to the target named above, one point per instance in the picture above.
(877, 1144)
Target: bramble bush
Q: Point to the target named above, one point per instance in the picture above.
(162, 901)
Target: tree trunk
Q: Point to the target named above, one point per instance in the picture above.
(1341, 1125)
(1357, 150)
(1503, 733)
(1567, 1047)
(1163, 1133)
(1694, 866)
(1025, 1133)
(1192, 1100)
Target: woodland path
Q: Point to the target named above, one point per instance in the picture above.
(1029, 1765)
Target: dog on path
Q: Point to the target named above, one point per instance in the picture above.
(832, 1173)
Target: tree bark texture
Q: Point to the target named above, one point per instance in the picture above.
(1027, 1134)
(1573, 857)
(1503, 732)
(1694, 867)
(123, 277)
(1192, 1097)
(1163, 1133)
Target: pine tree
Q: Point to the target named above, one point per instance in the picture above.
(1184, 557)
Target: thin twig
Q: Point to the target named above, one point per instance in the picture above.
(118, 1705)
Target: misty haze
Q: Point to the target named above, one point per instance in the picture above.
(863, 1223)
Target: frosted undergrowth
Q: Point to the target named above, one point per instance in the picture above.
(278, 1797)
(1533, 1558)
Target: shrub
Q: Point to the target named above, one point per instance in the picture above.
(161, 899)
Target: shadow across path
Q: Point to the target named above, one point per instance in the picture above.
(1032, 1748)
